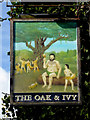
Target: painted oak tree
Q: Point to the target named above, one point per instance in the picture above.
(41, 33)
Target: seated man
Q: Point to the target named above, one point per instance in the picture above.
(53, 70)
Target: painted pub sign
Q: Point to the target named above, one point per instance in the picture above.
(45, 62)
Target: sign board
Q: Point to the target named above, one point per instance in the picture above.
(45, 61)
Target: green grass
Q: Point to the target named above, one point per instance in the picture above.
(22, 81)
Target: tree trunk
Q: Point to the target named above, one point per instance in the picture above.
(39, 49)
(39, 54)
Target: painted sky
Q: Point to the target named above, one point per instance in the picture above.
(57, 47)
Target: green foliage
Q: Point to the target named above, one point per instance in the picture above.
(30, 31)
(19, 54)
(61, 11)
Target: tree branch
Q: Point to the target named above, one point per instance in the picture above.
(30, 43)
(45, 39)
(41, 38)
(30, 46)
(35, 43)
(53, 41)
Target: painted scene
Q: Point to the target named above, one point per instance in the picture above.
(45, 57)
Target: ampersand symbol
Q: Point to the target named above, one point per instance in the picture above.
(56, 97)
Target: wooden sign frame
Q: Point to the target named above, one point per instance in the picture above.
(47, 97)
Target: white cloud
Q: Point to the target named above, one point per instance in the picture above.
(4, 85)
(4, 80)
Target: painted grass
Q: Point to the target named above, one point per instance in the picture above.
(22, 81)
